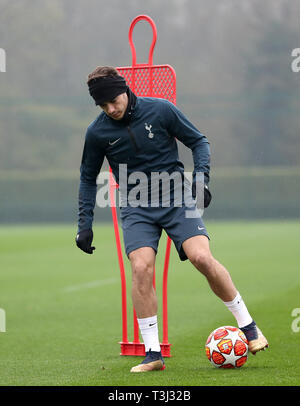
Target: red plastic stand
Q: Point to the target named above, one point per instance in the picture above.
(145, 80)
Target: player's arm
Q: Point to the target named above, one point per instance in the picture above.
(91, 163)
(180, 127)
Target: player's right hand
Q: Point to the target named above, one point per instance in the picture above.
(84, 241)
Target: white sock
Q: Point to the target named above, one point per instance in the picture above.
(149, 330)
(239, 310)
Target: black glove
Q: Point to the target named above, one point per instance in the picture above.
(207, 194)
(84, 240)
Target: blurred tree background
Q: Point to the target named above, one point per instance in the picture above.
(234, 81)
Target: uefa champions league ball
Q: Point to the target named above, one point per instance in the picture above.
(227, 347)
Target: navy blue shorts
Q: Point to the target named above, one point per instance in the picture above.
(142, 226)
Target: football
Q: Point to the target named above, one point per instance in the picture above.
(227, 347)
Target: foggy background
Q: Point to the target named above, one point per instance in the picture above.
(234, 82)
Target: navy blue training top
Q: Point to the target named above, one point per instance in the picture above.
(147, 144)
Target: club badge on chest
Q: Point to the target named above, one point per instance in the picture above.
(148, 128)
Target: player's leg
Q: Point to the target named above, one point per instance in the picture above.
(141, 236)
(198, 252)
(144, 299)
(145, 303)
(192, 242)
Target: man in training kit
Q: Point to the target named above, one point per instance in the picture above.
(139, 134)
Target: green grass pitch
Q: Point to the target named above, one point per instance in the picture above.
(63, 308)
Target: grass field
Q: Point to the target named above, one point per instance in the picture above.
(63, 308)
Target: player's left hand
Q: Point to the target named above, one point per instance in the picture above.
(207, 195)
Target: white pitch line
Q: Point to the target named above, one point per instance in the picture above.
(89, 285)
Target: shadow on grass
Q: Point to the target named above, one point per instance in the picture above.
(233, 370)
